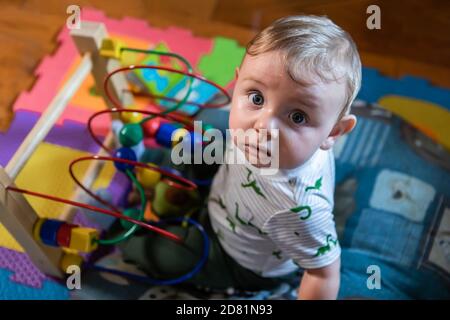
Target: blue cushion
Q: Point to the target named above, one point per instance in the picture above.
(394, 217)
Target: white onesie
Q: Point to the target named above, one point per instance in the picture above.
(271, 223)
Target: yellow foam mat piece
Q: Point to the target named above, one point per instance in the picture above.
(47, 172)
(430, 118)
(105, 176)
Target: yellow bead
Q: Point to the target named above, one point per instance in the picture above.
(70, 259)
(131, 117)
(178, 135)
(83, 239)
(111, 48)
(37, 229)
(148, 178)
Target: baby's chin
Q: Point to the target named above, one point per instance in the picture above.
(257, 158)
(289, 163)
(281, 165)
(261, 159)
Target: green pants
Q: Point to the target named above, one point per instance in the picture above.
(161, 258)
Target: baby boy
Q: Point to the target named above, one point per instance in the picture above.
(298, 79)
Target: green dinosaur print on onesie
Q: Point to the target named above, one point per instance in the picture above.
(277, 254)
(303, 208)
(316, 186)
(249, 173)
(232, 224)
(326, 248)
(242, 222)
(252, 184)
(236, 214)
(219, 201)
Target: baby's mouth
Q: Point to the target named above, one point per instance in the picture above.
(257, 149)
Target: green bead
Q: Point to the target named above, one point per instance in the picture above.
(207, 126)
(131, 213)
(131, 134)
(171, 201)
(161, 206)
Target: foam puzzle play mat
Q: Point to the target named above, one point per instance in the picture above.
(85, 166)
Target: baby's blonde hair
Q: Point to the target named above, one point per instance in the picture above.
(314, 44)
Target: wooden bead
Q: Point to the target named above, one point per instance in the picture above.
(49, 231)
(83, 239)
(178, 135)
(63, 235)
(164, 134)
(131, 117)
(150, 127)
(148, 178)
(70, 259)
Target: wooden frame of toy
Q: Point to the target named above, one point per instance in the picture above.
(16, 214)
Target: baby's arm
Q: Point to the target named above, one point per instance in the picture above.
(321, 283)
(307, 235)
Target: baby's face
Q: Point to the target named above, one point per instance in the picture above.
(266, 97)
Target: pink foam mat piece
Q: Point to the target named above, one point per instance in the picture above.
(51, 70)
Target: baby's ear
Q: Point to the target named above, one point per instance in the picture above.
(343, 126)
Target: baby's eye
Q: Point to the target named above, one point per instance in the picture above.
(297, 117)
(256, 98)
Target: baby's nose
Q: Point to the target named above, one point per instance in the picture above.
(265, 122)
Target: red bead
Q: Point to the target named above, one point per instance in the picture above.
(151, 127)
(63, 235)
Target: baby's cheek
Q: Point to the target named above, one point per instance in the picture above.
(293, 152)
(237, 119)
(232, 120)
(290, 159)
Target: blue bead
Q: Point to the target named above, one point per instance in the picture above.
(127, 154)
(164, 134)
(48, 232)
(193, 139)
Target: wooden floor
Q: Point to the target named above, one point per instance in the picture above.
(414, 37)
